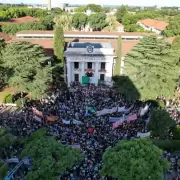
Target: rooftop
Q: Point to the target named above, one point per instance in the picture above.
(30, 32)
(160, 25)
(6, 37)
(86, 44)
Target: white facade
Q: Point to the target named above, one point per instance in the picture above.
(83, 58)
(148, 28)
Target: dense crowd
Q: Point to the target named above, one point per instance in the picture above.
(91, 133)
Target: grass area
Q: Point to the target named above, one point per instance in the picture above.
(6, 91)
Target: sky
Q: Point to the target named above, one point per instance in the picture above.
(105, 2)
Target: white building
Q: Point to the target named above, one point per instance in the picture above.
(93, 60)
(153, 25)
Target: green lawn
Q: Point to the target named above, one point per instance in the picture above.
(6, 91)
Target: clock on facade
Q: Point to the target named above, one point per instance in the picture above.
(90, 49)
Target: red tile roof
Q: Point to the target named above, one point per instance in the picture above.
(6, 37)
(119, 24)
(160, 25)
(88, 33)
(47, 44)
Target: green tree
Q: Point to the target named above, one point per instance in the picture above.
(28, 66)
(81, 9)
(48, 21)
(59, 44)
(120, 13)
(6, 142)
(153, 67)
(4, 72)
(14, 28)
(97, 21)
(56, 11)
(176, 132)
(3, 171)
(160, 124)
(117, 66)
(136, 159)
(95, 8)
(50, 158)
(176, 43)
(111, 23)
(79, 20)
(64, 20)
(173, 29)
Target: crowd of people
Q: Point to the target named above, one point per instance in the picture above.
(91, 133)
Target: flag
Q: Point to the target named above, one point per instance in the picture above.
(132, 117)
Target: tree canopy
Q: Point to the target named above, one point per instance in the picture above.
(50, 158)
(95, 8)
(152, 66)
(81, 9)
(176, 43)
(59, 44)
(136, 159)
(160, 123)
(64, 20)
(14, 28)
(120, 13)
(79, 20)
(28, 66)
(97, 21)
(173, 29)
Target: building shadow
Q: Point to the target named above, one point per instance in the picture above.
(125, 86)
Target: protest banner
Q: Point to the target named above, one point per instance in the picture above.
(143, 135)
(114, 119)
(38, 119)
(37, 112)
(65, 122)
(51, 118)
(132, 117)
(112, 110)
(144, 110)
(76, 146)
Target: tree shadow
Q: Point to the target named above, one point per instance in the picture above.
(125, 86)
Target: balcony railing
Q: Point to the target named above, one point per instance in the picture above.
(102, 70)
(77, 69)
(89, 70)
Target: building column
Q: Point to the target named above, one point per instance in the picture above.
(96, 73)
(68, 73)
(82, 71)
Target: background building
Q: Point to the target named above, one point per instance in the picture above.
(153, 25)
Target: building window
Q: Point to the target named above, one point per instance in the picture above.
(76, 65)
(103, 65)
(76, 77)
(102, 76)
(89, 65)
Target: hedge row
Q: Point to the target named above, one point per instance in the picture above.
(168, 144)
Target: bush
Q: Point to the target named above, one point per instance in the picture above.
(3, 171)
(14, 28)
(8, 98)
(176, 132)
(19, 102)
(167, 144)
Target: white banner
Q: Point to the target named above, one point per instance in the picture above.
(37, 118)
(112, 110)
(143, 135)
(144, 110)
